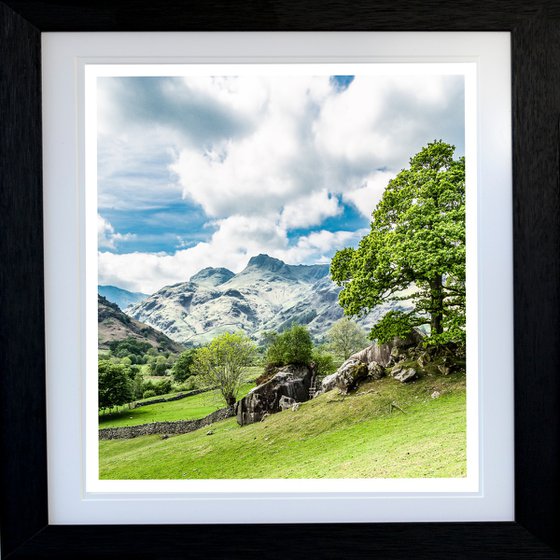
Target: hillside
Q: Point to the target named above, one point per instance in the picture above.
(332, 436)
(113, 324)
(267, 295)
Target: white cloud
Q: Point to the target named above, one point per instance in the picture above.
(310, 210)
(237, 239)
(368, 194)
(261, 156)
(107, 237)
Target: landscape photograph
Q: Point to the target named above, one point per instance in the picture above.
(282, 276)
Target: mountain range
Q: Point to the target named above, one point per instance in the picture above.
(268, 295)
(123, 298)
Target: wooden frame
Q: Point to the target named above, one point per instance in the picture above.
(535, 29)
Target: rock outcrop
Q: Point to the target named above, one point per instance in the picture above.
(289, 386)
(374, 362)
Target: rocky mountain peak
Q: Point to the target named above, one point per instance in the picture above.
(266, 262)
(212, 276)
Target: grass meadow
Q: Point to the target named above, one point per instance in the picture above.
(384, 430)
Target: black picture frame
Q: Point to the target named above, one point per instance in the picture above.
(535, 534)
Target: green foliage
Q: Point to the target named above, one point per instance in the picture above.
(114, 384)
(158, 366)
(137, 386)
(158, 387)
(394, 324)
(182, 368)
(293, 346)
(346, 337)
(130, 345)
(149, 393)
(415, 250)
(222, 362)
(324, 362)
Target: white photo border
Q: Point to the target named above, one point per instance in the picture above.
(76, 494)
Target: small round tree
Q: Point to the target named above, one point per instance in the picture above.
(182, 368)
(114, 385)
(293, 346)
(222, 363)
(346, 337)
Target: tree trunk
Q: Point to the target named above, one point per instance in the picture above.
(436, 312)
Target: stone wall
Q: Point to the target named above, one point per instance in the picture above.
(165, 428)
(176, 397)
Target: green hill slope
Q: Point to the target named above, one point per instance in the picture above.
(332, 436)
(189, 408)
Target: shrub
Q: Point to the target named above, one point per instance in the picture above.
(293, 346)
(182, 368)
(324, 363)
(148, 394)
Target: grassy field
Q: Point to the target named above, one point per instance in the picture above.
(332, 436)
(188, 408)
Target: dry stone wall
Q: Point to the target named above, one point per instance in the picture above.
(176, 397)
(165, 428)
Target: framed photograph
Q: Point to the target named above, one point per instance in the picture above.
(280, 281)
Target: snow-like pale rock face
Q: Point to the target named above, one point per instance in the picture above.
(267, 295)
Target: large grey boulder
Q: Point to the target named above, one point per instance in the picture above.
(291, 382)
(405, 375)
(346, 377)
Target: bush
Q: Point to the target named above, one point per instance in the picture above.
(190, 384)
(324, 363)
(182, 368)
(293, 346)
(148, 394)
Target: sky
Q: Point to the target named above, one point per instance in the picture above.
(201, 171)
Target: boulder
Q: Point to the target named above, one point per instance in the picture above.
(406, 374)
(346, 377)
(384, 354)
(376, 370)
(286, 402)
(292, 382)
(349, 374)
(373, 362)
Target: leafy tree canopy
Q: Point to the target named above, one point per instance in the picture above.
(115, 385)
(415, 251)
(128, 346)
(293, 346)
(182, 368)
(222, 362)
(346, 337)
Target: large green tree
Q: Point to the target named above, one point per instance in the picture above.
(415, 251)
(222, 363)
